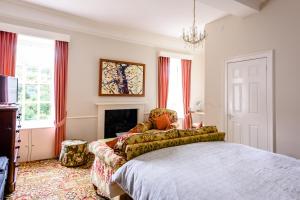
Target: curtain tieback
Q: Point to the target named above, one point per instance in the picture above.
(187, 114)
(61, 122)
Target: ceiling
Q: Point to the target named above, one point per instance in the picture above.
(164, 17)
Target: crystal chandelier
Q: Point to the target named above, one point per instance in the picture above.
(193, 37)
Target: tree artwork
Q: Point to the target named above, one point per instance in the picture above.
(119, 78)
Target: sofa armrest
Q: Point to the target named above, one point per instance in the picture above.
(141, 127)
(106, 154)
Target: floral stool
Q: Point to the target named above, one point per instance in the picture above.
(73, 153)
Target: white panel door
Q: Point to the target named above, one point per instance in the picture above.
(247, 119)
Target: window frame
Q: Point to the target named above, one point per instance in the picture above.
(24, 83)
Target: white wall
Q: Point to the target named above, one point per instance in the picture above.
(275, 27)
(85, 50)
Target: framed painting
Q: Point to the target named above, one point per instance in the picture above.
(120, 78)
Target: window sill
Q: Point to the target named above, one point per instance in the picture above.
(36, 125)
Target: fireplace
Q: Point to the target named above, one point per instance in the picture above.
(118, 121)
(106, 106)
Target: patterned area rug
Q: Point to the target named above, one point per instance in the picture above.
(48, 180)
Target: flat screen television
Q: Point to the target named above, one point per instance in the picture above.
(8, 90)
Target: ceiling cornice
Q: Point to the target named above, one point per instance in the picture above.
(254, 4)
(241, 8)
(29, 13)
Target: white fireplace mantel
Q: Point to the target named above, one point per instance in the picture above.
(140, 106)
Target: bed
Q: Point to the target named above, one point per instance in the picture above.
(108, 160)
(209, 171)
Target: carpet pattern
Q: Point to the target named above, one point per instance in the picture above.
(48, 180)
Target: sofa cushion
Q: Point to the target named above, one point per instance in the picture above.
(198, 131)
(162, 122)
(111, 143)
(148, 136)
(161, 111)
(134, 150)
(209, 129)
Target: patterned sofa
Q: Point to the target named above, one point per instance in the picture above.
(149, 125)
(108, 160)
(105, 164)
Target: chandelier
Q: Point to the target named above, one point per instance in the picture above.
(192, 36)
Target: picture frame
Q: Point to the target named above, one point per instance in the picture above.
(121, 78)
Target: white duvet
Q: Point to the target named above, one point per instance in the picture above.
(210, 171)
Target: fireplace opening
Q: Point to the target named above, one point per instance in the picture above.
(118, 121)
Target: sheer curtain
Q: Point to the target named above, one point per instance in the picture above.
(175, 93)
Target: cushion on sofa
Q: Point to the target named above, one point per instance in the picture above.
(134, 150)
(148, 136)
(198, 131)
(162, 122)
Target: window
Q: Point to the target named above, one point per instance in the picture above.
(35, 72)
(175, 96)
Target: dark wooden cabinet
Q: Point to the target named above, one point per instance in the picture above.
(10, 142)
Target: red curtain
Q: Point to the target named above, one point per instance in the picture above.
(8, 47)
(163, 81)
(60, 91)
(186, 66)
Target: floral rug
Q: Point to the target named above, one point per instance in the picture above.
(48, 180)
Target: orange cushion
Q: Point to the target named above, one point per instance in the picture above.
(112, 143)
(162, 122)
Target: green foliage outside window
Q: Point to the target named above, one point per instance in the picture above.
(30, 111)
(44, 93)
(32, 74)
(45, 109)
(31, 92)
(37, 102)
(45, 75)
(35, 96)
(20, 92)
(34, 70)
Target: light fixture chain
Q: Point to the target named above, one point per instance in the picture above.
(194, 22)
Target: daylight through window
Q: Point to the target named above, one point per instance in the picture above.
(175, 96)
(35, 72)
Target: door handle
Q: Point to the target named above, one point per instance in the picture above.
(230, 116)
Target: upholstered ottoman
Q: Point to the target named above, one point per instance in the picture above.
(73, 153)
